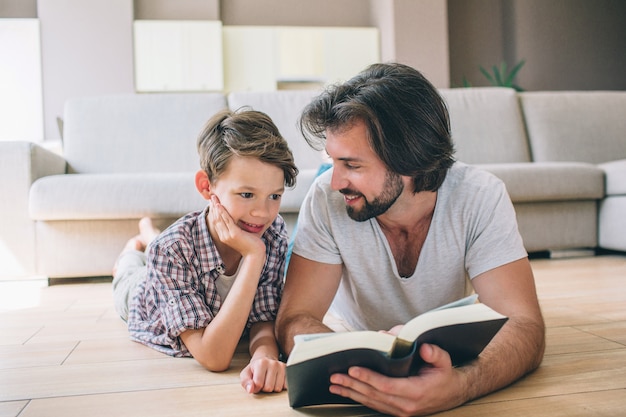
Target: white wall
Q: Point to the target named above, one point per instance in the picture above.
(21, 101)
(86, 50)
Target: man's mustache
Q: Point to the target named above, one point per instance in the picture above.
(348, 191)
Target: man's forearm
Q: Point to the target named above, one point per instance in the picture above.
(516, 350)
(289, 326)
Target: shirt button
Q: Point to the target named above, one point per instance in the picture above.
(220, 269)
(171, 302)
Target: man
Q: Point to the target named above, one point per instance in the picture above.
(397, 228)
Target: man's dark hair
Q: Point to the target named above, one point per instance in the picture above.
(407, 121)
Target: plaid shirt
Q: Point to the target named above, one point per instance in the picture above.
(179, 292)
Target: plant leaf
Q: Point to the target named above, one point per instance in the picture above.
(487, 75)
(497, 73)
(514, 72)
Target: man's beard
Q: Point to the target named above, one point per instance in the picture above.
(392, 188)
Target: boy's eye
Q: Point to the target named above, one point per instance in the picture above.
(246, 195)
(275, 197)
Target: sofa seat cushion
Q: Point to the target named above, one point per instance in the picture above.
(550, 181)
(129, 196)
(615, 177)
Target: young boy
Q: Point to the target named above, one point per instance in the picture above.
(217, 274)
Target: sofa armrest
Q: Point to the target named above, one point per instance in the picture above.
(615, 172)
(21, 164)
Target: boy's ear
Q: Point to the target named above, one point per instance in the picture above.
(203, 185)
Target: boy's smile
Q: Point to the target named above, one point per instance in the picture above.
(250, 190)
(252, 228)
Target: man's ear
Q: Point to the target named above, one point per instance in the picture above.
(203, 185)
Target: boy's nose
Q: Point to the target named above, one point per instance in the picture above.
(260, 209)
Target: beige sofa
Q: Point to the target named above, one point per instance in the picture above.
(556, 199)
(588, 127)
(561, 155)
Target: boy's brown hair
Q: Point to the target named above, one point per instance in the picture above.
(246, 133)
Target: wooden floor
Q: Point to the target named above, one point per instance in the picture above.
(63, 352)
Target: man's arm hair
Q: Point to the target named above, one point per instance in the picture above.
(519, 346)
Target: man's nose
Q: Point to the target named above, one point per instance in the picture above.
(337, 181)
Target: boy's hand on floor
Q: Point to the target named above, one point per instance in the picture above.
(264, 375)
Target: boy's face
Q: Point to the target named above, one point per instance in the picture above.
(250, 190)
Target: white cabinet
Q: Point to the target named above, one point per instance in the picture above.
(204, 56)
(271, 57)
(172, 55)
(249, 58)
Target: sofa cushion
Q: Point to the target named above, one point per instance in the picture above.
(487, 125)
(585, 126)
(284, 107)
(135, 132)
(131, 196)
(615, 172)
(550, 181)
(113, 196)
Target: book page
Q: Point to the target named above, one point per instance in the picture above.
(327, 343)
(439, 318)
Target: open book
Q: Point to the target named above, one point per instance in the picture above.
(462, 328)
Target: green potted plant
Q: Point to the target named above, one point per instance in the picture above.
(501, 77)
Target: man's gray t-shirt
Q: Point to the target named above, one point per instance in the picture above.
(473, 230)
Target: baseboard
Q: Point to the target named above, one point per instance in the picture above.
(571, 253)
(79, 280)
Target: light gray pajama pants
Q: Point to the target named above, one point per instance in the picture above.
(130, 269)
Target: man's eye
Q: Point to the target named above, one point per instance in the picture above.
(246, 195)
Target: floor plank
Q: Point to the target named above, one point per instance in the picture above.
(18, 356)
(195, 401)
(586, 404)
(569, 374)
(121, 376)
(561, 340)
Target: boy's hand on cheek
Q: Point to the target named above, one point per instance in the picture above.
(230, 233)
